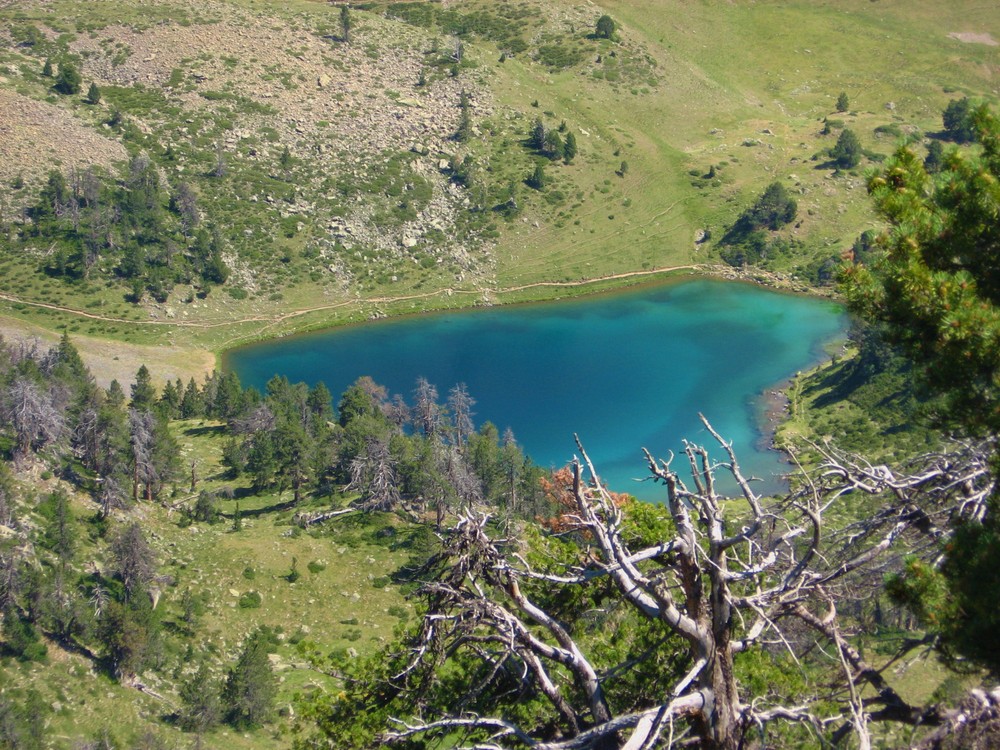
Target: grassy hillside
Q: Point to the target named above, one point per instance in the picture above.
(337, 181)
(332, 172)
(340, 602)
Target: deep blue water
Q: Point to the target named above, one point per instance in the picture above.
(625, 370)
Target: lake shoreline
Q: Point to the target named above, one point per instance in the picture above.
(623, 282)
(770, 410)
(644, 363)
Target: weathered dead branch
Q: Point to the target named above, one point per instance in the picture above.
(733, 576)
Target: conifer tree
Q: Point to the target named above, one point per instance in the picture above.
(847, 153)
(605, 27)
(464, 131)
(346, 24)
(69, 80)
(935, 291)
(538, 135)
(251, 687)
(554, 148)
(200, 699)
(569, 148)
(537, 179)
(143, 390)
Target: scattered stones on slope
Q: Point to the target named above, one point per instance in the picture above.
(341, 109)
(35, 136)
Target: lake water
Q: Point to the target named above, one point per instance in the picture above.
(624, 371)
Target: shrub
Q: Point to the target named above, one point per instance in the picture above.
(891, 129)
(251, 600)
(205, 509)
(605, 27)
(399, 612)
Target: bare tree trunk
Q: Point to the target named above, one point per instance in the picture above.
(721, 582)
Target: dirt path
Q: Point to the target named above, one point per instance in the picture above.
(114, 360)
(273, 320)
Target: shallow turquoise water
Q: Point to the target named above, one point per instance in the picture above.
(624, 371)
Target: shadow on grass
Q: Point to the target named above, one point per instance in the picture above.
(219, 429)
(258, 512)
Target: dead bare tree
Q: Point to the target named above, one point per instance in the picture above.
(34, 415)
(111, 496)
(133, 559)
(426, 410)
(374, 475)
(732, 576)
(461, 403)
(259, 419)
(141, 435)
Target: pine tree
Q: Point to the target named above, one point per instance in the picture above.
(130, 633)
(957, 120)
(464, 131)
(69, 80)
(605, 27)
(115, 395)
(848, 152)
(70, 362)
(286, 159)
(935, 157)
(170, 401)
(20, 636)
(537, 178)
(143, 390)
(569, 148)
(251, 686)
(936, 294)
(200, 698)
(60, 532)
(192, 404)
(346, 23)
(93, 94)
(133, 559)
(554, 148)
(538, 135)
(843, 103)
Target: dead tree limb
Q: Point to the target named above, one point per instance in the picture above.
(731, 575)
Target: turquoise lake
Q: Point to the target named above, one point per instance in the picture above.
(624, 371)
